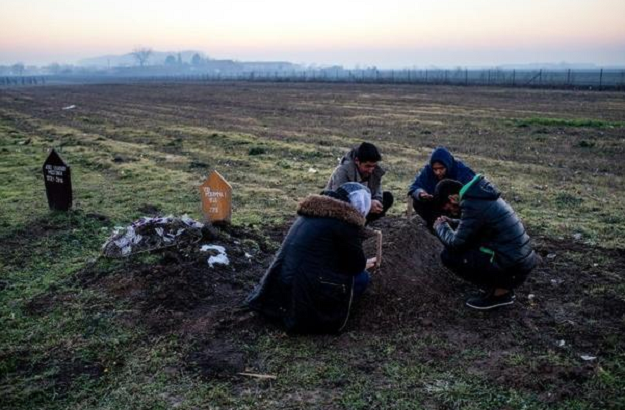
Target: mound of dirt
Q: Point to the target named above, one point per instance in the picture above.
(184, 290)
(411, 282)
(198, 277)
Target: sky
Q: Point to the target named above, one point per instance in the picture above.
(383, 33)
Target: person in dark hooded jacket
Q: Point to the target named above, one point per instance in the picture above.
(488, 245)
(442, 165)
(320, 268)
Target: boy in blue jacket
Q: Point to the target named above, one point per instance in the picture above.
(442, 165)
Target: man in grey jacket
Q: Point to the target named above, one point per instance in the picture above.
(488, 245)
(361, 165)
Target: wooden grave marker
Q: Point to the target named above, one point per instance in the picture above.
(216, 198)
(58, 179)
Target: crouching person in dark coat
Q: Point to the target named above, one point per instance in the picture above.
(320, 268)
(488, 245)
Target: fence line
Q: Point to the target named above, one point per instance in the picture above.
(573, 79)
(22, 80)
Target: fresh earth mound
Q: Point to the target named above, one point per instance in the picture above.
(411, 282)
(183, 282)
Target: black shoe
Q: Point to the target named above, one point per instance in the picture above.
(482, 292)
(490, 301)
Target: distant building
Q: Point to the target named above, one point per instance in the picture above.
(271, 66)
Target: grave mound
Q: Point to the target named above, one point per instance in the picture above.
(176, 268)
(182, 282)
(411, 283)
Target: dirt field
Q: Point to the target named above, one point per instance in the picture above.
(164, 330)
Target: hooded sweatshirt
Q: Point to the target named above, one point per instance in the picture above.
(425, 180)
(489, 223)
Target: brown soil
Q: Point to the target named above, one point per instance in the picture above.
(182, 288)
(411, 291)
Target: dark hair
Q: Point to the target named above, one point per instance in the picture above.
(445, 188)
(367, 152)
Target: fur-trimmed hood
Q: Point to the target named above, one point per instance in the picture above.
(322, 206)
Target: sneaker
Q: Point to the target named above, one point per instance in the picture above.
(484, 292)
(490, 301)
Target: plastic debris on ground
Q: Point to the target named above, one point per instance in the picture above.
(69, 107)
(220, 259)
(151, 233)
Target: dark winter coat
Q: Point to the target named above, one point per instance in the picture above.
(425, 180)
(347, 171)
(309, 285)
(488, 222)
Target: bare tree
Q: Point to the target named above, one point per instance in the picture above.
(142, 54)
(54, 68)
(196, 59)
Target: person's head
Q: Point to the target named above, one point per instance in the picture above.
(357, 195)
(366, 159)
(447, 196)
(441, 161)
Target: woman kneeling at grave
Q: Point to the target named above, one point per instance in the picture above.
(320, 268)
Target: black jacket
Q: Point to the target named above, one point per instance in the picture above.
(309, 285)
(488, 222)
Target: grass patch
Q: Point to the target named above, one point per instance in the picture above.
(257, 151)
(566, 122)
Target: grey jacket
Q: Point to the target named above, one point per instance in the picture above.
(347, 171)
(488, 222)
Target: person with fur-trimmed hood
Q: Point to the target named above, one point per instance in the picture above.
(320, 268)
(361, 165)
(442, 165)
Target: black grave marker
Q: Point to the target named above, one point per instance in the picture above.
(58, 179)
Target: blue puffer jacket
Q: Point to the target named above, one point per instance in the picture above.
(426, 179)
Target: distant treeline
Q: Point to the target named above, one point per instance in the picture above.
(583, 79)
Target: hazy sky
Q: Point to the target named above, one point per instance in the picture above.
(385, 33)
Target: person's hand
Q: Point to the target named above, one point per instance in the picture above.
(376, 207)
(440, 220)
(371, 263)
(424, 196)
